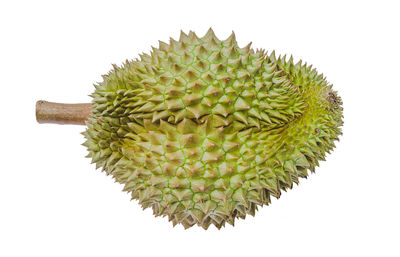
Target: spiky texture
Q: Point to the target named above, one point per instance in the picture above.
(203, 131)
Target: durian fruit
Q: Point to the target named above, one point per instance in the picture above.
(204, 132)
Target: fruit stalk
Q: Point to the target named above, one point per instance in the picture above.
(59, 113)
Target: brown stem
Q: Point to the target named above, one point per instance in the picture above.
(48, 112)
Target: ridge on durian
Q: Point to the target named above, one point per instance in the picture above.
(203, 131)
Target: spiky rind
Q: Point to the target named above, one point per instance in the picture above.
(203, 131)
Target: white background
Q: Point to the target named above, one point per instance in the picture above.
(54, 203)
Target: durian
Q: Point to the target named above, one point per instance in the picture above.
(203, 131)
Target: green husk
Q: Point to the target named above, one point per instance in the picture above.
(204, 132)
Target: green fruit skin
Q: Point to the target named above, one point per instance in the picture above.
(204, 132)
